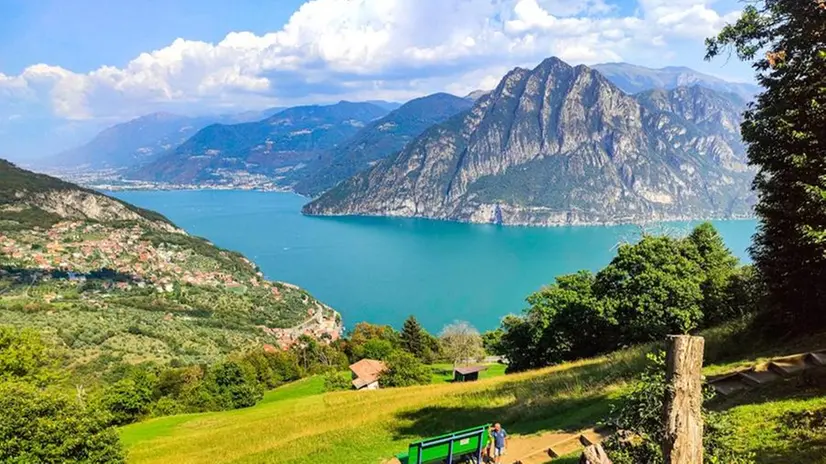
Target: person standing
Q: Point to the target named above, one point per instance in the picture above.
(500, 442)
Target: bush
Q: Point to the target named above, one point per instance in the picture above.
(404, 370)
(51, 426)
(232, 386)
(338, 381)
(127, 400)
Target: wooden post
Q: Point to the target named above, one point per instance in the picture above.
(683, 443)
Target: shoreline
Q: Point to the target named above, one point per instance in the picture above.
(538, 225)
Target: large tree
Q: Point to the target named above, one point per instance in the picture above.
(461, 342)
(786, 133)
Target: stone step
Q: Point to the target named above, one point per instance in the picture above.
(761, 377)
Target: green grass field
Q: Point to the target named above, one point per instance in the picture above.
(299, 424)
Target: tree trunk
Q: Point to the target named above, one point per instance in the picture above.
(594, 454)
(683, 442)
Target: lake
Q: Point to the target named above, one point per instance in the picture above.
(381, 270)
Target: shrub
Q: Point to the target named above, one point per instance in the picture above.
(404, 370)
(338, 381)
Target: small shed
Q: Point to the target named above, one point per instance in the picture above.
(366, 374)
(467, 373)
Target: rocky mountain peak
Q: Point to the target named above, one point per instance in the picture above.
(562, 144)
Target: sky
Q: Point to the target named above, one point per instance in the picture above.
(70, 68)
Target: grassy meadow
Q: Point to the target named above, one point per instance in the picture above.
(298, 423)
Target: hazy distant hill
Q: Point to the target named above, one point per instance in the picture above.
(634, 79)
(142, 139)
(272, 147)
(380, 139)
(563, 145)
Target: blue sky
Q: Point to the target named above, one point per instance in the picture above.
(69, 68)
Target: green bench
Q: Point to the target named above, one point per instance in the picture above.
(452, 448)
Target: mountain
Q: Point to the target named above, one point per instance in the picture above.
(381, 138)
(272, 147)
(563, 145)
(130, 143)
(142, 139)
(388, 105)
(476, 94)
(634, 79)
(116, 283)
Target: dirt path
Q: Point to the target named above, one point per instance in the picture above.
(540, 448)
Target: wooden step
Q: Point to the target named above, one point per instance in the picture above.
(593, 437)
(758, 377)
(789, 366)
(817, 358)
(566, 447)
(730, 385)
(721, 377)
(536, 458)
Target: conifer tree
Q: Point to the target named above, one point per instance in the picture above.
(413, 337)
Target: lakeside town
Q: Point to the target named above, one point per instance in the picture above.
(124, 259)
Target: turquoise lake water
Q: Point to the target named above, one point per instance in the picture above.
(381, 270)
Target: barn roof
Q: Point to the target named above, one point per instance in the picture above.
(367, 371)
(470, 369)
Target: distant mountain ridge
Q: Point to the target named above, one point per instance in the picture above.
(379, 139)
(563, 145)
(140, 140)
(634, 79)
(271, 147)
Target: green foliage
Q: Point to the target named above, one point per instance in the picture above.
(658, 286)
(719, 268)
(651, 289)
(363, 333)
(51, 426)
(128, 399)
(24, 356)
(316, 358)
(377, 348)
(338, 381)
(404, 370)
(640, 430)
(492, 340)
(787, 143)
(39, 420)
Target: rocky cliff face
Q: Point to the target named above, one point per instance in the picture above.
(563, 145)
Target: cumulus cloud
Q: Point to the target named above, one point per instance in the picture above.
(393, 49)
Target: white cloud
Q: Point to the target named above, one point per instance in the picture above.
(395, 49)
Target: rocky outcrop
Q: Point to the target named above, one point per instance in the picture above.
(563, 145)
(86, 205)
